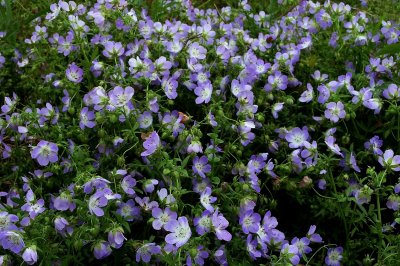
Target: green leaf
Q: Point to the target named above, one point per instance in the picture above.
(391, 49)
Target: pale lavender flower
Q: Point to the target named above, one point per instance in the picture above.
(316, 238)
(194, 146)
(302, 245)
(86, 118)
(96, 202)
(30, 255)
(180, 232)
(74, 73)
(62, 226)
(113, 49)
(297, 137)
(290, 252)
(334, 256)
(203, 92)
(151, 144)
(307, 95)
(276, 108)
(170, 84)
(330, 142)
(119, 97)
(389, 160)
(392, 92)
(101, 250)
(219, 224)
(199, 257)
(45, 152)
(203, 223)
(250, 221)
(129, 211)
(145, 120)
(162, 217)
(127, 184)
(148, 185)
(201, 166)
(116, 238)
(276, 81)
(12, 241)
(7, 221)
(220, 256)
(197, 51)
(335, 111)
(145, 252)
(206, 199)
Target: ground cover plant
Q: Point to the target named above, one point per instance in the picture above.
(177, 132)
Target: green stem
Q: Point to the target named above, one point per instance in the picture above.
(342, 216)
(378, 206)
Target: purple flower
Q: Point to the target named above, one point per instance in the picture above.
(321, 184)
(194, 146)
(374, 144)
(220, 256)
(201, 166)
(30, 255)
(199, 255)
(101, 249)
(251, 246)
(307, 95)
(129, 211)
(330, 142)
(334, 256)
(151, 144)
(149, 184)
(12, 241)
(302, 245)
(197, 51)
(393, 202)
(146, 204)
(64, 202)
(96, 202)
(203, 223)
(276, 108)
(145, 120)
(220, 224)
(316, 238)
(145, 252)
(335, 111)
(127, 184)
(297, 137)
(250, 221)
(162, 217)
(206, 199)
(9, 104)
(170, 84)
(86, 118)
(45, 152)
(61, 225)
(290, 252)
(7, 221)
(389, 160)
(276, 81)
(33, 209)
(119, 97)
(113, 49)
(392, 92)
(116, 238)
(203, 91)
(180, 232)
(74, 73)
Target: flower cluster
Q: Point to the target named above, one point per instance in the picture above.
(186, 134)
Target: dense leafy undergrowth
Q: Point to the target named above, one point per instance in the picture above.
(159, 132)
